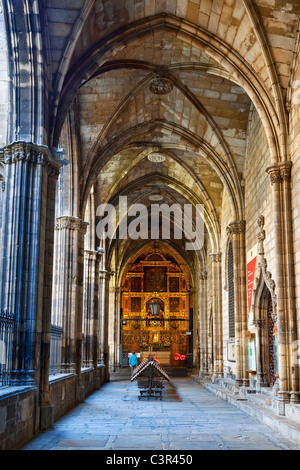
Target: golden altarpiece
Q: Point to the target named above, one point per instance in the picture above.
(168, 334)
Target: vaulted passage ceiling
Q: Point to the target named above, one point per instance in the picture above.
(178, 78)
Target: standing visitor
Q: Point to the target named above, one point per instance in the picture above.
(133, 362)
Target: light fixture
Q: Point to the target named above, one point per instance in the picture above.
(155, 304)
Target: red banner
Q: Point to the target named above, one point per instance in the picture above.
(250, 279)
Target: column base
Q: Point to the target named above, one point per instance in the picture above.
(47, 417)
(282, 400)
(204, 373)
(239, 382)
(295, 398)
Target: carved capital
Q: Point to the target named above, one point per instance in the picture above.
(92, 255)
(30, 153)
(236, 227)
(71, 223)
(279, 172)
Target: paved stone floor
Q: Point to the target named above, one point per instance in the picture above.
(187, 418)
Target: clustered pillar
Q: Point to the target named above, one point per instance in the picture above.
(27, 260)
(69, 290)
(280, 177)
(217, 315)
(90, 308)
(204, 367)
(236, 231)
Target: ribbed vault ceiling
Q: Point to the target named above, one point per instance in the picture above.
(216, 56)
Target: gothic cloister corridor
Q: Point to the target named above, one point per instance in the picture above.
(149, 203)
(187, 418)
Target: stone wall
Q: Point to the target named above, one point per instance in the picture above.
(19, 413)
(258, 190)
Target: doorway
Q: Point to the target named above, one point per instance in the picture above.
(167, 334)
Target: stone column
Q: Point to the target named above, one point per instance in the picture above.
(90, 307)
(217, 315)
(117, 327)
(203, 320)
(280, 177)
(111, 311)
(26, 263)
(236, 232)
(103, 318)
(69, 289)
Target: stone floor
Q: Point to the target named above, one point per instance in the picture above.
(187, 418)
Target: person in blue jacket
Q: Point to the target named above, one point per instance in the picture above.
(133, 362)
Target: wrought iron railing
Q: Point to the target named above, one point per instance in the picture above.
(6, 344)
(55, 350)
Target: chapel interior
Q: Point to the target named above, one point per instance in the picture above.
(171, 103)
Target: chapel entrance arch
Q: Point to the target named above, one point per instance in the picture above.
(267, 347)
(169, 334)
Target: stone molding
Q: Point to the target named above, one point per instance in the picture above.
(280, 172)
(71, 223)
(33, 154)
(264, 274)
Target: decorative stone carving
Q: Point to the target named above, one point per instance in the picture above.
(71, 223)
(92, 255)
(161, 86)
(280, 172)
(261, 235)
(156, 157)
(236, 227)
(263, 272)
(216, 257)
(33, 154)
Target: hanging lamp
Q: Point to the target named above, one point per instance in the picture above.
(155, 304)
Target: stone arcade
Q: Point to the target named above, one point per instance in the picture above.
(181, 103)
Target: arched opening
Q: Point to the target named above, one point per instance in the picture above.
(156, 275)
(267, 341)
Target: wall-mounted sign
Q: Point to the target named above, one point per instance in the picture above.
(231, 351)
(251, 264)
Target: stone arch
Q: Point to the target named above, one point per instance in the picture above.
(124, 141)
(210, 222)
(274, 123)
(265, 318)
